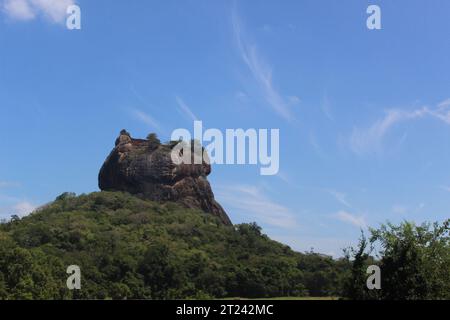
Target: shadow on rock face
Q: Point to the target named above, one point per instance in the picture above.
(145, 168)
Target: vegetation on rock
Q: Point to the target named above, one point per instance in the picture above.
(129, 248)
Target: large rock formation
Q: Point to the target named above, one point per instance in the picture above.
(145, 168)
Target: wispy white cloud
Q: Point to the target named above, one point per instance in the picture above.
(446, 188)
(445, 104)
(442, 111)
(147, 119)
(369, 140)
(340, 197)
(357, 221)
(284, 177)
(260, 70)
(23, 208)
(314, 142)
(18, 9)
(8, 184)
(255, 204)
(185, 110)
(25, 10)
(404, 210)
(144, 116)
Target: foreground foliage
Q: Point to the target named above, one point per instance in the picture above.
(414, 262)
(128, 248)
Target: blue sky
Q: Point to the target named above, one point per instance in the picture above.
(364, 115)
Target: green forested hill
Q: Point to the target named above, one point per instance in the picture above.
(137, 249)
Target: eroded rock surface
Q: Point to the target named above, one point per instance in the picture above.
(145, 168)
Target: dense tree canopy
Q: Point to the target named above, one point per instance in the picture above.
(129, 248)
(132, 248)
(414, 262)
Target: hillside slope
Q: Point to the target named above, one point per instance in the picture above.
(129, 248)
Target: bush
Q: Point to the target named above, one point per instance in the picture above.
(153, 140)
(414, 262)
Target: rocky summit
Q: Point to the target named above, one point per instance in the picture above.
(145, 168)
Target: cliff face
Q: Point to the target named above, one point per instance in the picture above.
(145, 168)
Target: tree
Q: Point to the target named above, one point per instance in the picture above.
(132, 248)
(414, 262)
(355, 287)
(153, 139)
(66, 195)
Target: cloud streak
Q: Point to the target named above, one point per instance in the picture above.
(185, 110)
(370, 140)
(252, 202)
(23, 208)
(357, 221)
(17, 207)
(340, 197)
(147, 119)
(260, 70)
(26, 10)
